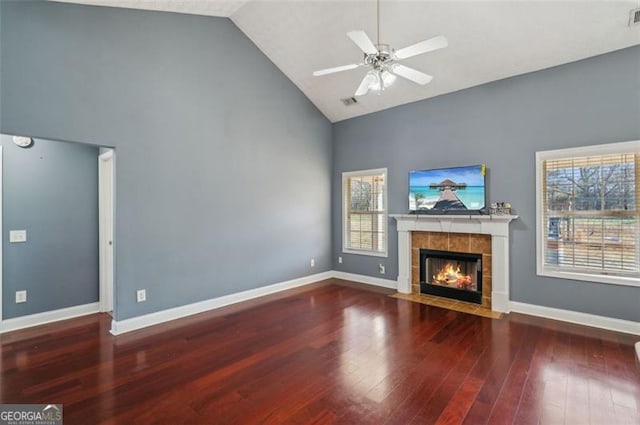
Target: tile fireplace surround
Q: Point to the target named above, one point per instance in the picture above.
(495, 225)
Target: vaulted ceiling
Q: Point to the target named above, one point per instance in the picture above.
(488, 40)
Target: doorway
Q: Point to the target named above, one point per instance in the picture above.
(100, 265)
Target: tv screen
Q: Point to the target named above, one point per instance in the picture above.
(458, 189)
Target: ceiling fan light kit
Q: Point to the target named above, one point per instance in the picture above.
(382, 60)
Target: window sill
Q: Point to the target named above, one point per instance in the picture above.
(588, 277)
(362, 252)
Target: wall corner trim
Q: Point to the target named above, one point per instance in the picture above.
(48, 316)
(602, 322)
(119, 327)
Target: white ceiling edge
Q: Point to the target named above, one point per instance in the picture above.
(221, 8)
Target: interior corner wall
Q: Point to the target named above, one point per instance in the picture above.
(502, 124)
(50, 190)
(223, 166)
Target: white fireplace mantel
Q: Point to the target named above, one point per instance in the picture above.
(495, 225)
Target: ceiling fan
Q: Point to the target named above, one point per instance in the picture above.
(383, 61)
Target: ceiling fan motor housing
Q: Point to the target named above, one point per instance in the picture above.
(382, 59)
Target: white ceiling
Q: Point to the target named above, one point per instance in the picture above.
(488, 40)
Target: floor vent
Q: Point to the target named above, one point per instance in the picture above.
(348, 101)
(634, 17)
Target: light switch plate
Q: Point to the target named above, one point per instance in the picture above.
(17, 236)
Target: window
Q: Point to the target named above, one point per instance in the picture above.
(364, 198)
(588, 213)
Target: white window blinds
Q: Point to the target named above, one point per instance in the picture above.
(590, 215)
(365, 212)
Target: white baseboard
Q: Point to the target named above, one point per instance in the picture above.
(128, 325)
(610, 323)
(385, 283)
(48, 317)
(139, 322)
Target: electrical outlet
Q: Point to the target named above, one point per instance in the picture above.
(21, 297)
(381, 268)
(313, 262)
(141, 295)
(340, 260)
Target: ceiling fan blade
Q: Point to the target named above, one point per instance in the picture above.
(411, 74)
(362, 40)
(366, 82)
(425, 46)
(335, 69)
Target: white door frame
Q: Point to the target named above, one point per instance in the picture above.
(1, 237)
(106, 212)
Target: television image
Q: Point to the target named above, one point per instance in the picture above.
(458, 189)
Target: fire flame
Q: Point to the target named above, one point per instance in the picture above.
(450, 275)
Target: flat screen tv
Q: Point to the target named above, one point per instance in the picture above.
(448, 190)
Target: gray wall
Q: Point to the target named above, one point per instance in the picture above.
(501, 124)
(51, 191)
(223, 166)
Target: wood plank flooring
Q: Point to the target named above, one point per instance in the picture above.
(334, 352)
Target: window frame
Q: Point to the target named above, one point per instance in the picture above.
(345, 234)
(556, 154)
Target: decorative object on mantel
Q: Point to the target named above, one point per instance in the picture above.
(500, 208)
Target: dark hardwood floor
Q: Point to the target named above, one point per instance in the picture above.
(332, 353)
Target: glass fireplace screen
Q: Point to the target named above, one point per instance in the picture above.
(451, 274)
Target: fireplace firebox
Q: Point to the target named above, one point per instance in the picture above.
(451, 274)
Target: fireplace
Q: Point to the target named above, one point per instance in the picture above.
(479, 234)
(451, 274)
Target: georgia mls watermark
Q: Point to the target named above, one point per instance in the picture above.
(30, 414)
